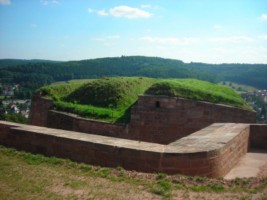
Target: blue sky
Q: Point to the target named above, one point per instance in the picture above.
(212, 31)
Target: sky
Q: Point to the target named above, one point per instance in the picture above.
(211, 31)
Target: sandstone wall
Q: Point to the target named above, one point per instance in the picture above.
(40, 107)
(258, 136)
(211, 152)
(156, 119)
(61, 120)
(163, 119)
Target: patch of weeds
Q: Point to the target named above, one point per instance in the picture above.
(161, 176)
(121, 173)
(199, 178)
(163, 188)
(8, 151)
(85, 167)
(179, 186)
(199, 188)
(165, 184)
(217, 187)
(262, 186)
(55, 161)
(241, 182)
(103, 172)
(32, 159)
(71, 164)
(74, 184)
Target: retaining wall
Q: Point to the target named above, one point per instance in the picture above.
(66, 121)
(157, 119)
(164, 119)
(258, 136)
(212, 151)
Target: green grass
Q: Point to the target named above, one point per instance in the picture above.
(110, 99)
(29, 176)
(198, 90)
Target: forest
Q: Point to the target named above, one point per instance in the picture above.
(32, 74)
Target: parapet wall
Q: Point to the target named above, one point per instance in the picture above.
(39, 110)
(258, 136)
(61, 120)
(165, 119)
(157, 119)
(212, 151)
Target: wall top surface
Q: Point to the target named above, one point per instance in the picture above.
(212, 138)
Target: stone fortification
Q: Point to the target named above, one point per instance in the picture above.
(169, 135)
(211, 152)
(164, 119)
(157, 119)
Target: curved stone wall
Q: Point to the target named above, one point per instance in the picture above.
(212, 151)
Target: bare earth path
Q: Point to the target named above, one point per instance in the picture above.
(250, 165)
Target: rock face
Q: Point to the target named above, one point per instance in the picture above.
(157, 119)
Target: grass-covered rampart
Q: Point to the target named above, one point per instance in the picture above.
(110, 99)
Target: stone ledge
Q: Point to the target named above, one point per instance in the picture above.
(202, 153)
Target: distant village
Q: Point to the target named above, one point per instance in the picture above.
(258, 101)
(10, 105)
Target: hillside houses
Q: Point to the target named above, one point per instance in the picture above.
(21, 107)
(258, 101)
(261, 95)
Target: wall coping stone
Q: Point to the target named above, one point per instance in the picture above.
(212, 138)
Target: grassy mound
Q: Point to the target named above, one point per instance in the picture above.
(110, 92)
(198, 90)
(110, 99)
(107, 99)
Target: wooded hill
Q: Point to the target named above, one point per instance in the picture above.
(33, 74)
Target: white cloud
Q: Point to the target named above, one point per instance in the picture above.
(129, 12)
(231, 39)
(170, 40)
(102, 13)
(263, 17)
(46, 2)
(123, 12)
(263, 37)
(5, 2)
